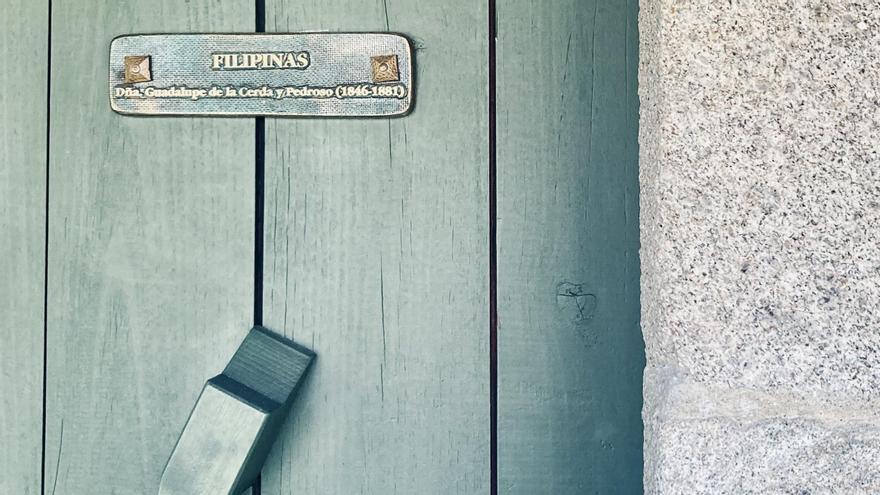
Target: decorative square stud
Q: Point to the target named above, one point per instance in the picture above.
(137, 69)
(385, 68)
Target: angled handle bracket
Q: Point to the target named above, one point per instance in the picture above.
(235, 421)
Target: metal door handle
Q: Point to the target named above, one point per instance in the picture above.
(235, 421)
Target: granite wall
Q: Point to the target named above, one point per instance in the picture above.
(760, 230)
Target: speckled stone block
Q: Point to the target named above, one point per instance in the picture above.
(760, 211)
(715, 439)
(773, 456)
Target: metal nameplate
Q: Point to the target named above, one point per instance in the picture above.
(306, 74)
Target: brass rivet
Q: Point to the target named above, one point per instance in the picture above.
(385, 68)
(137, 68)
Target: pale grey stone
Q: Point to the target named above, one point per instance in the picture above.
(714, 439)
(760, 171)
(773, 456)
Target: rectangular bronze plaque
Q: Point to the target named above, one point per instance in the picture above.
(304, 74)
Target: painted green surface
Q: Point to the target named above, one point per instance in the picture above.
(570, 349)
(151, 225)
(23, 27)
(376, 256)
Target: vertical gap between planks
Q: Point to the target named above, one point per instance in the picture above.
(493, 254)
(259, 204)
(46, 248)
(260, 179)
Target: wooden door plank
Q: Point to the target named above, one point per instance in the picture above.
(150, 253)
(376, 257)
(23, 46)
(570, 349)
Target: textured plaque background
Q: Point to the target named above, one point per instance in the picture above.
(336, 58)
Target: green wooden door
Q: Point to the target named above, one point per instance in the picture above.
(468, 274)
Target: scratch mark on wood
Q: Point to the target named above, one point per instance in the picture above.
(390, 154)
(382, 300)
(58, 459)
(585, 301)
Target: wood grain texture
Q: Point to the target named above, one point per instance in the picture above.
(23, 32)
(150, 253)
(570, 349)
(376, 257)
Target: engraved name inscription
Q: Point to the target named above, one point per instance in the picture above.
(341, 92)
(258, 61)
